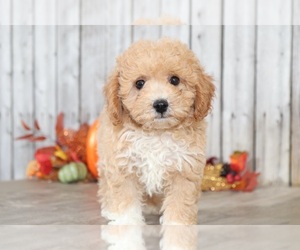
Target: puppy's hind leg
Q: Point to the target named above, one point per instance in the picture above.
(120, 199)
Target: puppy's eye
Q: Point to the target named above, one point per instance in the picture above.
(174, 80)
(139, 84)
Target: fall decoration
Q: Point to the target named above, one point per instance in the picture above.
(73, 158)
(238, 161)
(248, 182)
(70, 146)
(91, 149)
(73, 141)
(32, 168)
(229, 176)
(35, 132)
(34, 171)
(72, 172)
(213, 181)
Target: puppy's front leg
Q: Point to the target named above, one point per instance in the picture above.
(120, 199)
(180, 206)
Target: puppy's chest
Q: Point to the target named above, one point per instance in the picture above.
(152, 156)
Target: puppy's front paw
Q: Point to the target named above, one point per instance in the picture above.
(127, 221)
(123, 237)
(179, 237)
(132, 216)
(161, 220)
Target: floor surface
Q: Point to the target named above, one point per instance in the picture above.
(36, 215)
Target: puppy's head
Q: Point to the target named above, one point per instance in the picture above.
(158, 85)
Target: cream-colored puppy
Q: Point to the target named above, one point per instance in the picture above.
(152, 134)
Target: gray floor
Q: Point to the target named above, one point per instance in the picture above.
(37, 214)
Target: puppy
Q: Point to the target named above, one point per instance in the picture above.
(152, 134)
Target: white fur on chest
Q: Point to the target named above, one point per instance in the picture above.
(152, 155)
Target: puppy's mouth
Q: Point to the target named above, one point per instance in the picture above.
(161, 116)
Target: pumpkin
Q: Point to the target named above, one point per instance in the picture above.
(72, 172)
(91, 149)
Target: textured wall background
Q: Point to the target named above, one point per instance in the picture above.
(55, 57)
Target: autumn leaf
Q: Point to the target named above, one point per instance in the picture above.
(25, 126)
(74, 156)
(24, 137)
(59, 123)
(251, 180)
(38, 138)
(248, 182)
(36, 125)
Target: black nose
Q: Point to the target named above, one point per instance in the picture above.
(160, 105)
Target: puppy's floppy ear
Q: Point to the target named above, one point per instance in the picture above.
(205, 90)
(111, 92)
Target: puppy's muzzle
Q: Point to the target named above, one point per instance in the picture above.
(160, 105)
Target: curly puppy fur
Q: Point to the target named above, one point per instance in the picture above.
(151, 160)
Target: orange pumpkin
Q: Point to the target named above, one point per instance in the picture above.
(91, 149)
